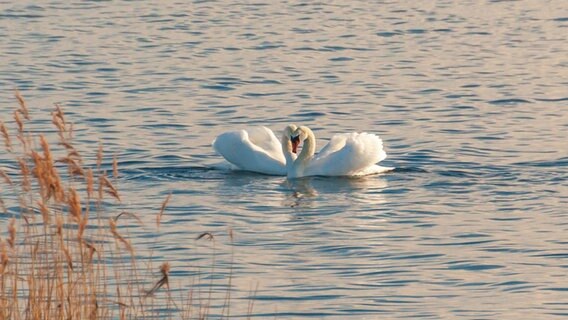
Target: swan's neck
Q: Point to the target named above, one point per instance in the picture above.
(297, 169)
(309, 148)
(287, 151)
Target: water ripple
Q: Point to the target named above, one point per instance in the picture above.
(470, 106)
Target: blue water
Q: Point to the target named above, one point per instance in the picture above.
(470, 99)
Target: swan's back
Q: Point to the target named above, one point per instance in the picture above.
(347, 154)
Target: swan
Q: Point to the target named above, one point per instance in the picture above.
(257, 149)
(348, 154)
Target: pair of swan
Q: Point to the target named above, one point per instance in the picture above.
(257, 149)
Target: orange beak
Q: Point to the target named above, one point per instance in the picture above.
(295, 142)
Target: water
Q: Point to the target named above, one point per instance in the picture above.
(470, 100)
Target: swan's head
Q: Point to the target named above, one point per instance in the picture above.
(288, 137)
(289, 130)
(298, 136)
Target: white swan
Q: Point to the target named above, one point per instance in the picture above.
(257, 149)
(349, 154)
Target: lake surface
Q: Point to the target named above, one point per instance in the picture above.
(470, 99)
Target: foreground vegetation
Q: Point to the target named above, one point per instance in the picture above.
(61, 256)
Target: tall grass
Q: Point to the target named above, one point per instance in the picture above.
(62, 257)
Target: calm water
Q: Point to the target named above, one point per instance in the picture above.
(470, 99)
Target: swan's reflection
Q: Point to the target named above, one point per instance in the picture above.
(302, 192)
(305, 192)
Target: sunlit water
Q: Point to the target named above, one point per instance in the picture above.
(470, 99)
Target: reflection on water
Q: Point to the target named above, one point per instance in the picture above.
(302, 193)
(468, 97)
(309, 190)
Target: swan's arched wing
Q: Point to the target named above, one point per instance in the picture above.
(265, 139)
(347, 154)
(336, 143)
(255, 152)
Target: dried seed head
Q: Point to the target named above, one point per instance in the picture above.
(67, 255)
(26, 141)
(114, 167)
(74, 155)
(76, 170)
(59, 113)
(64, 160)
(165, 269)
(12, 233)
(67, 145)
(81, 228)
(49, 180)
(44, 209)
(91, 248)
(74, 203)
(7, 140)
(115, 233)
(59, 226)
(90, 183)
(101, 186)
(26, 183)
(206, 235)
(57, 122)
(4, 258)
(38, 169)
(4, 175)
(45, 147)
(23, 106)
(128, 214)
(73, 166)
(110, 189)
(112, 224)
(19, 121)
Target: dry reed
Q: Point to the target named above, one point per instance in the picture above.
(106, 185)
(19, 121)
(23, 106)
(114, 231)
(114, 167)
(164, 270)
(7, 140)
(164, 204)
(6, 178)
(65, 266)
